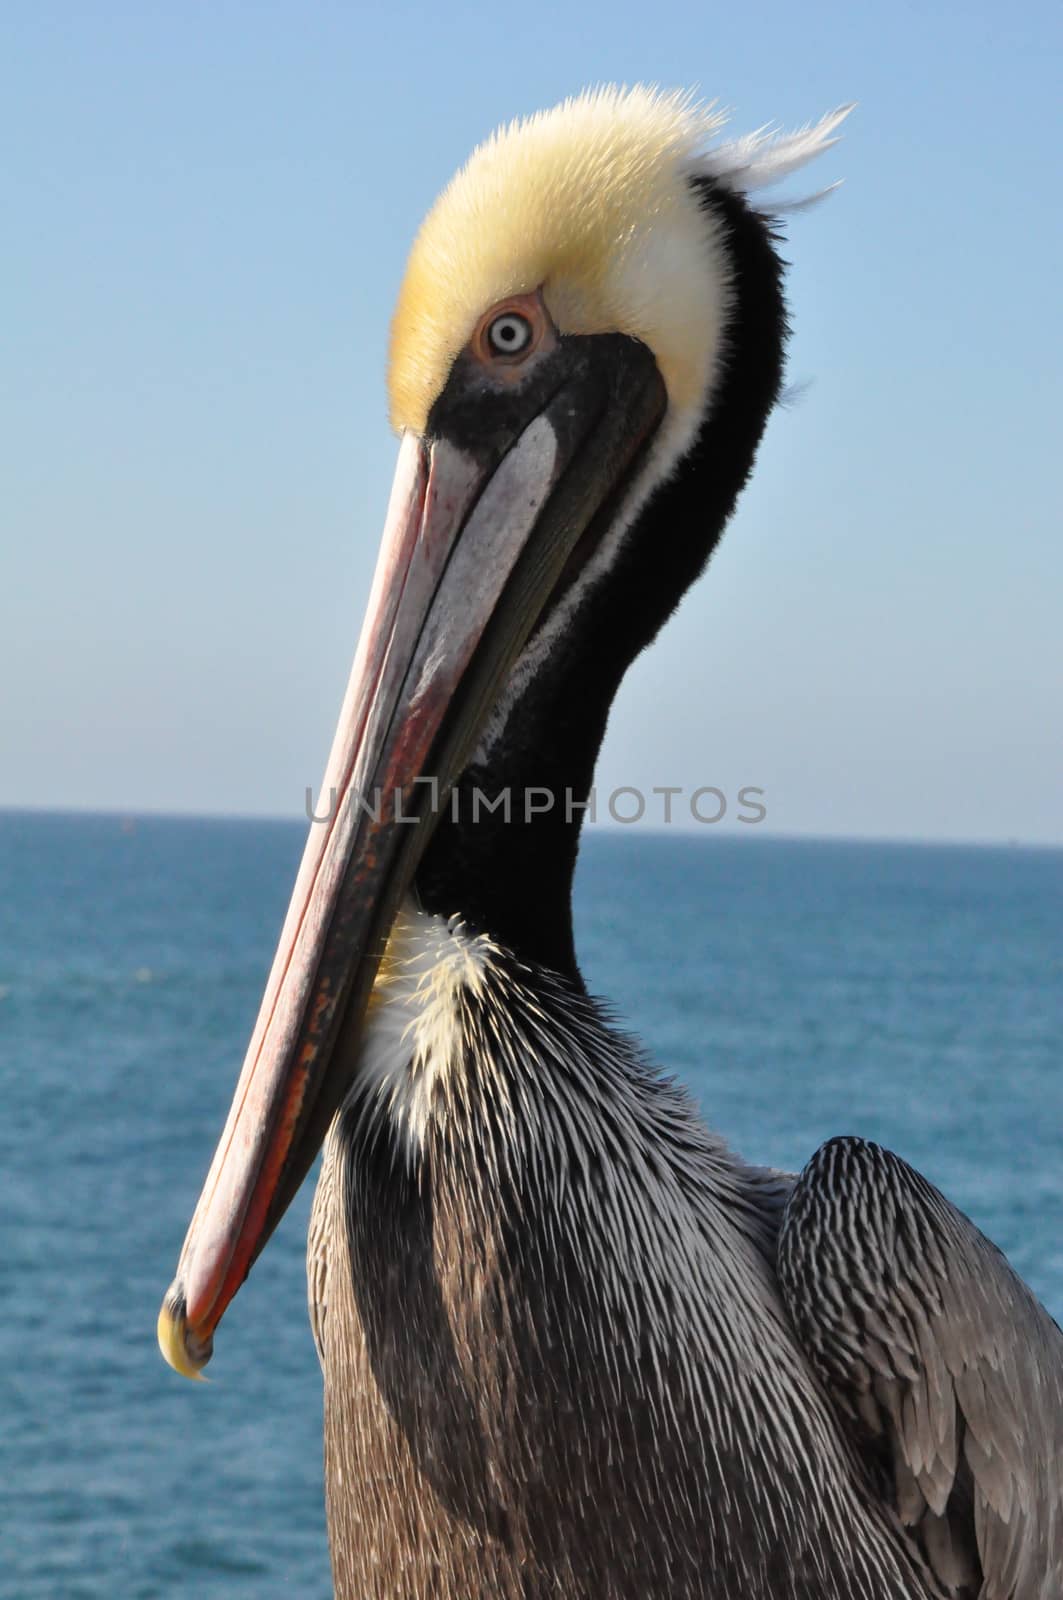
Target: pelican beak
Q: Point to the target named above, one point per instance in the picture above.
(485, 512)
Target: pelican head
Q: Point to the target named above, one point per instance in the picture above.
(590, 325)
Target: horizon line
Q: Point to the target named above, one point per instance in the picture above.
(707, 830)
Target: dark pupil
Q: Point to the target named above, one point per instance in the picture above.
(507, 332)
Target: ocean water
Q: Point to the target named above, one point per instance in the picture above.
(912, 994)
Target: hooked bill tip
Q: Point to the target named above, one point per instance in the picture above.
(183, 1352)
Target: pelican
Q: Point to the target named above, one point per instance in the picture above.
(573, 1345)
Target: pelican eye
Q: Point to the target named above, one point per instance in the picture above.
(509, 334)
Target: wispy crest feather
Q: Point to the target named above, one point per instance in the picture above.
(765, 157)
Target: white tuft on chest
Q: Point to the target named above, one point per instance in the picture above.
(416, 1030)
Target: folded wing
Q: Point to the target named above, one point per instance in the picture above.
(947, 1369)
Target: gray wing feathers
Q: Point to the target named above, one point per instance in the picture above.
(949, 1370)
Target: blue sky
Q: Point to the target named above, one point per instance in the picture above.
(206, 213)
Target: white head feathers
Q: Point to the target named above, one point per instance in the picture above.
(592, 202)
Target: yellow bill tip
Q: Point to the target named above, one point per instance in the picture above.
(172, 1330)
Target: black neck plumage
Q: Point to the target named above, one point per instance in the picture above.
(508, 871)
